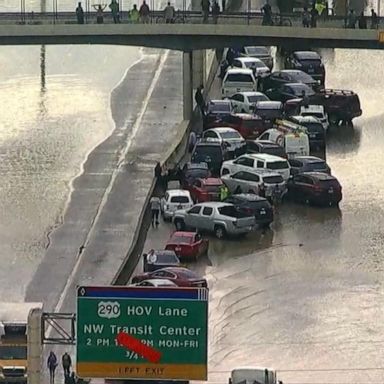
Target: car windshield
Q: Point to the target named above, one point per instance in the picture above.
(276, 151)
(308, 62)
(13, 352)
(180, 199)
(179, 239)
(299, 88)
(314, 127)
(273, 179)
(255, 64)
(197, 173)
(302, 76)
(222, 107)
(314, 114)
(317, 165)
(277, 165)
(239, 78)
(167, 257)
(329, 183)
(257, 51)
(204, 153)
(230, 135)
(256, 98)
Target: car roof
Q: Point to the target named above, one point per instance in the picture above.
(249, 59)
(214, 204)
(211, 181)
(180, 270)
(248, 116)
(196, 166)
(298, 85)
(264, 156)
(319, 175)
(183, 233)
(250, 197)
(160, 282)
(222, 129)
(307, 55)
(162, 252)
(178, 192)
(293, 72)
(313, 108)
(309, 159)
(266, 143)
(224, 101)
(269, 104)
(306, 119)
(214, 143)
(245, 71)
(251, 93)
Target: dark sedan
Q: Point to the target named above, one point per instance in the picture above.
(154, 260)
(276, 79)
(254, 205)
(290, 91)
(182, 277)
(216, 109)
(309, 62)
(265, 146)
(301, 164)
(315, 188)
(192, 172)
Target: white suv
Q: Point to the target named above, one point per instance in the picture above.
(173, 200)
(238, 80)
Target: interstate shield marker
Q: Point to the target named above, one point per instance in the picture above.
(142, 333)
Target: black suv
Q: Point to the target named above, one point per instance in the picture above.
(216, 109)
(277, 78)
(307, 61)
(212, 153)
(255, 205)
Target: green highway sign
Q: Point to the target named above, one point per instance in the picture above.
(142, 332)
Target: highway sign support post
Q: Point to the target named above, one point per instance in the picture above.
(142, 333)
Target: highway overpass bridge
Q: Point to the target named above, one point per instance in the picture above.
(190, 37)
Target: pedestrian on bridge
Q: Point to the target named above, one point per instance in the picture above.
(144, 13)
(80, 14)
(67, 363)
(169, 14)
(267, 14)
(352, 19)
(223, 8)
(134, 15)
(374, 19)
(99, 13)
(314, 16)
(215, 12)
(52, 364)
(114, 7)
(205, 6)
(362, 21)
(306, 18)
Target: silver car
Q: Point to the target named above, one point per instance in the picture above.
(220, 218)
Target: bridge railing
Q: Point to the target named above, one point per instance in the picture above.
(157, 17)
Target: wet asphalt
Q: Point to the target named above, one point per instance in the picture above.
(306, 297)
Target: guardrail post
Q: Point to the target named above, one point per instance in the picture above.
(187, 85)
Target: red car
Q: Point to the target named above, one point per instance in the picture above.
(203, 190)
(249, 126)
(182, 277)
(187, 245)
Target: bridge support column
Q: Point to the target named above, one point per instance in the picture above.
(34, 346)
(198, 66)
(187, 86)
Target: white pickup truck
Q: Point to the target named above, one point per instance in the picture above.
(221, 218)
(253, 375)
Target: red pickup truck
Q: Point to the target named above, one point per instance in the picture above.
(203, 190)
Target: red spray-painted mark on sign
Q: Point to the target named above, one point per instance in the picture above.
(125, 340)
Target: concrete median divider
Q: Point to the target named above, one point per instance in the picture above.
(173, 157)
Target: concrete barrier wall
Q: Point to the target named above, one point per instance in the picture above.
(175, 154)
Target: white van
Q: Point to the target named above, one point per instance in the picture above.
(294, 144)
(238, 80)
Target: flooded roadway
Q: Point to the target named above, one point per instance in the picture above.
(307, 295)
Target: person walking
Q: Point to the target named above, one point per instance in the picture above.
(155, 210)
(352, 19)
(199, 98)
(306, 18)
(134, 15)
(169, 14)
(205, 4)
(362, 21)
(262, 190)
(215, 11)
(223, 4)
(52, 364)
(192, 141)
(267, 14)
(314, 16)
(114, 7)
(144, 13)
(374, 19)
(99, 13)
(80, 14)
(67, 363)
